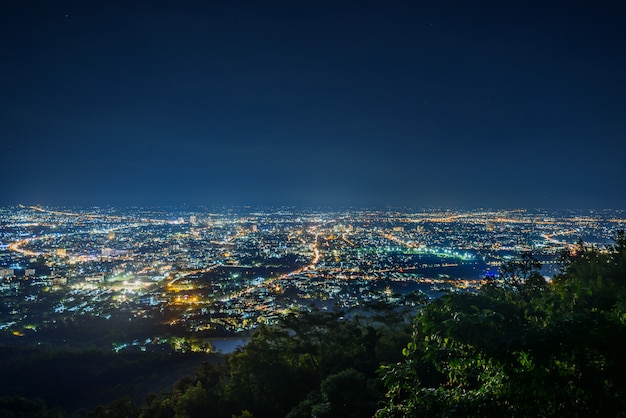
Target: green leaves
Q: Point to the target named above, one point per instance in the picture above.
(560, 345)
(410, 348)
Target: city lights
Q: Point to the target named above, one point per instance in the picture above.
(227, 272)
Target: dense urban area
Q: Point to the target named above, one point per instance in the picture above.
(192, 279)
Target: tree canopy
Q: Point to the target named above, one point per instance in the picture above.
(521, 346)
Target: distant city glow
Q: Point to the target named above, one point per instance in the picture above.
(231, 271)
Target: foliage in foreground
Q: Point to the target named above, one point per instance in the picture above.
(521, 347)
(321, 364)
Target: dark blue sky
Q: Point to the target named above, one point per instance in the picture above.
(439, 103)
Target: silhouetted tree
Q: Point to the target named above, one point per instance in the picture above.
(518, 350)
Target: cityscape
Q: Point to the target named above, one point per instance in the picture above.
(313, 209)
(198, 279)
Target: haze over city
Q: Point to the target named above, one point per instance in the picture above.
(449, 104)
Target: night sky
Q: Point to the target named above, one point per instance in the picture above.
(326, 103)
